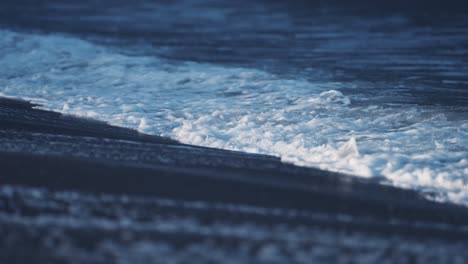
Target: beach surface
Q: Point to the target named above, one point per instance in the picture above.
(75, 189)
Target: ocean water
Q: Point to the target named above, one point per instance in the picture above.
(380, 94)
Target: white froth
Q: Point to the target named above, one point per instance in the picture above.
(311, 124)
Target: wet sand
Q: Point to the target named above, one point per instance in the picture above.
(75, 189)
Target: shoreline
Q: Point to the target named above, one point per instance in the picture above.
(47, 152)
(27, 134)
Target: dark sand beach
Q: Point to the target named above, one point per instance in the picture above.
(75, 189)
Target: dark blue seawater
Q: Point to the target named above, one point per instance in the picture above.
(372, 88)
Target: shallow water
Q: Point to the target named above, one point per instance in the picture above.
(375, 93)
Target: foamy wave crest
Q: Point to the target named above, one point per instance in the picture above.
(303, 122)
(288, 132)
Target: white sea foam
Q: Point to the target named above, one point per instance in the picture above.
(306, 123)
